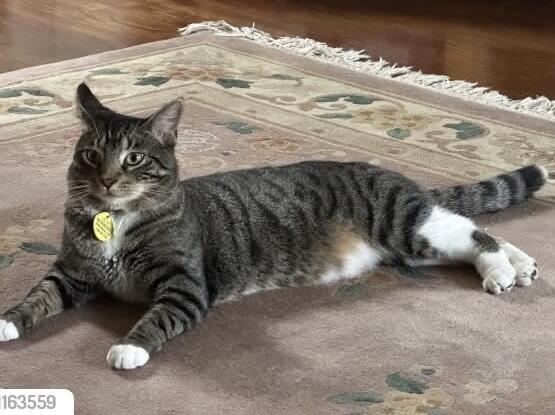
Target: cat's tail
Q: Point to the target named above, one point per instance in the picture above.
(492, 194)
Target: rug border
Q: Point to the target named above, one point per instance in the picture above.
(359, 79)
(540, 107)
(49, 69)
(397, 90)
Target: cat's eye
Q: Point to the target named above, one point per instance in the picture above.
(91, 156)
(134, 159)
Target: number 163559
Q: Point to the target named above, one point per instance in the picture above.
(36, 401)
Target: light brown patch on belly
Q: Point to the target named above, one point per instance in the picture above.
(344, 254)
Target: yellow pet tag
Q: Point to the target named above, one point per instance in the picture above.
(103, 226)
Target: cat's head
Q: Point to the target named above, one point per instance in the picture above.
(122, 161)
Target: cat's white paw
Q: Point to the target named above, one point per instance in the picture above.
(525, 266)
(497, 281)
(498, 275)
(8, 331)
(127, 356)
(527, 272)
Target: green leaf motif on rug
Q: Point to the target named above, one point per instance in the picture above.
(285, 77)
(152, 80)
(357, 398)
(17, 92)
(466, 129)
(10, 93)
(233, 83)
(238, 127)
(26, 110)
(108, 71)
(39, 248)
(353, 98)
(398, 133)
(404, 384)
(414, 273)
(5, 261)
(340, 115)
(349, 290)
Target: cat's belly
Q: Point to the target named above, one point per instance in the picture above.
(348, 256)
(353, 260)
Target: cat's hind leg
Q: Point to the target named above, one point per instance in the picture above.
(457, 238)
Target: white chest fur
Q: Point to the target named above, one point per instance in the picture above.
(120, 283)
(121, 223)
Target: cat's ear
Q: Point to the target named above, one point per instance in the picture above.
(88, 105)
(164, 123)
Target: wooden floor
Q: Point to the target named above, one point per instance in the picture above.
(508, 45)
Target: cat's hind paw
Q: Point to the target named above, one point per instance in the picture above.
(497, 281)
(498, 275)
(525, 266)
(8, 331)
(127, 356)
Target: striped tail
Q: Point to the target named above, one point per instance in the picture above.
(493, 194)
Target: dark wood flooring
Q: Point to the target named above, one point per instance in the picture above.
(508, 45)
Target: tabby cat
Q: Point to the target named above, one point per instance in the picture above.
(182, 247)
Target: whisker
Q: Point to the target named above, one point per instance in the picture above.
(77, 188)
(80, 198)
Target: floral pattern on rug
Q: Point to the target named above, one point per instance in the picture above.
(277, 85)
(482, 393)
(18, 238)
(407, 394)
(414, 393)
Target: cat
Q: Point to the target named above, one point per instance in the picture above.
(183, 247)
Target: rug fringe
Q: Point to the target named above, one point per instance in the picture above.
(540, 106)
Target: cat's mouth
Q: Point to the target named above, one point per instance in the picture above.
(108, 194)
(118, 198)
(116, 193)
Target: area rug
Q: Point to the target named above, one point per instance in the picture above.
(398, 341)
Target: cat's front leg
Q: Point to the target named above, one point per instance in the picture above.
(57, 291)
(179, 304)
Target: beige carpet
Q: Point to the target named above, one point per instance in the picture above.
(426, 341)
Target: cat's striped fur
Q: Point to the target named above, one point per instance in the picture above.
(184, 246)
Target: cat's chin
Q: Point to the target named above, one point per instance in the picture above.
(114, 202)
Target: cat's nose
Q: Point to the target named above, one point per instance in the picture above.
(108, 182)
